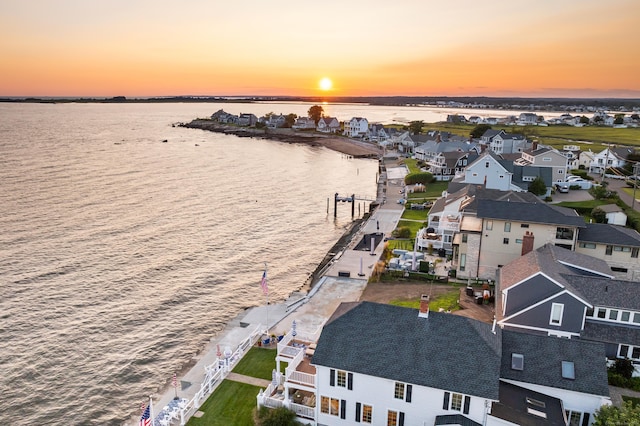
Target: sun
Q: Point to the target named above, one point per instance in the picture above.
(325, 84)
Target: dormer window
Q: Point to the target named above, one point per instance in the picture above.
(568, 370)
(517, 362)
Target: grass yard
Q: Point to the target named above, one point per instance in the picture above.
(258, 362)
(231, 404)
(400, 244)
(447, 301)
(414, 227)
(416, 214)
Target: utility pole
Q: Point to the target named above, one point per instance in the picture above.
(635, 185)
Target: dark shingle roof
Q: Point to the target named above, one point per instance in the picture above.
(609, 234)
(600, 331)
(514, 407)
(529, 212)
(394, 343)
(542, 362)
(606, 292)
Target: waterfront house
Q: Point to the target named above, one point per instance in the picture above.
(224, 117)
(390, 365)
(508, 143)
(546, 157)
(304, 123)
(247, 119)
(529, 118)
(276, 121)
(328, 125)
(357, 127)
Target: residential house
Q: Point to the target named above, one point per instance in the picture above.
(224, 117)
(456, 118)
(328, 125)
(247, 119)
(304, 123)
(616, 245)
(529, 118)
(508, 143)
(276, 121)
(383, 364)
(511, 228)
(377, 133)
(553, 291)
(611, 157)
(572, 152)
(585, 159)
(357, 127)
(546, 157)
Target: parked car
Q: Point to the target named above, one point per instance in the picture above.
(562, 187)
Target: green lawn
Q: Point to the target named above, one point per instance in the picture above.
(416, 214)
(231, 404)
(400, 244)
(448, 302)
(413, 226)
(258, 362)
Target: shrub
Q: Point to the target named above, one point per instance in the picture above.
(419, 177)
(623, 367)
(276, 417)
(402, 232)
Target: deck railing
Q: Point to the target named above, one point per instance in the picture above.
(303, 410)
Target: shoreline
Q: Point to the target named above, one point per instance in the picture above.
(351, 147)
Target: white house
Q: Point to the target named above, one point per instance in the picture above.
(304, 123)
(357, 127)
(328, 125)
(611, 157)
(387, 365)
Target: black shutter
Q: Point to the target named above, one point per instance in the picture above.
(343, 409)
(350, 381)
(358, 407)
(467, 401)
(409, 387)
(332, 377)
(585, 419)
(401, 419)
(445, 403)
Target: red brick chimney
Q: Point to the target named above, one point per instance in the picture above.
(424, 306)
(527, 243)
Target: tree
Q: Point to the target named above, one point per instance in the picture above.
(619, 119)
(584, 119)
(599, 215)
(627, 414)
(290, 120)
(479, 130)
(276, 417)
(538, 187)
(316, 112)
(415, 127)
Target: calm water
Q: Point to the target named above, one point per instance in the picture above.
(121, 255)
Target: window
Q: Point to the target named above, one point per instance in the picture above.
(634, 252)
(574, 417)
(618, 269)
(399, 391)
(623, 352)
(330, 405)
(568, 370)
(507, 227)
(613, 314)
(342, 379)
(395, 418)
(625, 316)
(489, 225)
(617, 248)
(456, 401)
(524, 225)
(635, 353)
(564, 234)
(463, 261)
(464, 238)
(556, 314)
(609, 250)
(518, 241)
(517, 362)
(367, 413)
(587, 245)
(636, 318)
(486, 164)
(505, 241)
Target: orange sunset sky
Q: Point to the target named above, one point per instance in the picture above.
(139, 48)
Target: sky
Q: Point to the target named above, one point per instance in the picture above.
(142, 48)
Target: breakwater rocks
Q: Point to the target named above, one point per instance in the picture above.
(354, 148)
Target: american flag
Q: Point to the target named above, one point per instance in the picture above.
(175, 380)
(145, 419)
(263, 283)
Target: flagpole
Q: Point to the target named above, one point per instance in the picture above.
(267, 296)
(153, 417)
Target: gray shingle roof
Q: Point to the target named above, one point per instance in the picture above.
(542, 362)
(607, 292)
(394, 343)
(609, 234)
(607, 332)
(529, 212)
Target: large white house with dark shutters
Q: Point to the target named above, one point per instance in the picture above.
(387, 365)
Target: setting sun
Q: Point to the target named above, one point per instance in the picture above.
(326, 84)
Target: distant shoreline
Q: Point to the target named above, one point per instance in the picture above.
(354, 148)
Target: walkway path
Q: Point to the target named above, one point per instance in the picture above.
(235, 377)
(616, 394)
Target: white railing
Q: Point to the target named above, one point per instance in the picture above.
(293, 364)
(284, 342)
(216, 372)
(303, 378)
(303, 410)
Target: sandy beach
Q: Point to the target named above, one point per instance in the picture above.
(352, 147)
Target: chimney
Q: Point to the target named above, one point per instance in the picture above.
(534, 145)
(424, 306)
(527, 243)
